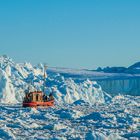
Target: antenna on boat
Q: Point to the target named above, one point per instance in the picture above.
(45, 76)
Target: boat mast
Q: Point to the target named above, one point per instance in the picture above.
(45, 76)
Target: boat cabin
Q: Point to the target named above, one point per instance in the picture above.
(38, 98)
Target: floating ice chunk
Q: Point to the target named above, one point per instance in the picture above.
(59, 126)
(95, 136)
(115, 136)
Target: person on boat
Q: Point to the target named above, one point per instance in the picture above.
(26, 98)
(45, 98)
(51, 96)
(29, 97)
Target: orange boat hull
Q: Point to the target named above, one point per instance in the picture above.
(35, 104)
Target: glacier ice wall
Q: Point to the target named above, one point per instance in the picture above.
(112, 83)
(15, 78)
(123, 86)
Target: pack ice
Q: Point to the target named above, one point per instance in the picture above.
(82, 109)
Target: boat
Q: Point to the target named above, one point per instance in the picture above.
(38, 98)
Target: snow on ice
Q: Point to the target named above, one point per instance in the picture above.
(82, 109)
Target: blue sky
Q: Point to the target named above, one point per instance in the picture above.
(71, 33)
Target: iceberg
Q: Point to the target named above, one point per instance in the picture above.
(16, 78)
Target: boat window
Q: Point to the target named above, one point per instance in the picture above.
(37, 97)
